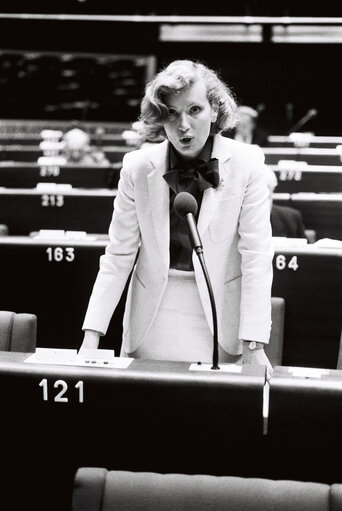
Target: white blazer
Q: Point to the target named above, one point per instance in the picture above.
(234, 226)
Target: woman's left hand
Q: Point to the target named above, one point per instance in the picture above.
(257, 357)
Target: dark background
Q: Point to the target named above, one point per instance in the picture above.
(283, 81)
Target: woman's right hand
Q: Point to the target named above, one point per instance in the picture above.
(91, 341)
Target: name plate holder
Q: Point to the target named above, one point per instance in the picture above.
(225, 368)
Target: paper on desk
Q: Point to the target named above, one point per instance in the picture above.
(308, 372)
(327, 243)
(52, 356)
(94, 358)
(282, 241)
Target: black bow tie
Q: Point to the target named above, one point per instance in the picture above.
(203, 174)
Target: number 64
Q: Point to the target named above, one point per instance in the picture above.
(281, 262)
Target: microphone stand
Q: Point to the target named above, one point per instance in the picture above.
(199, 252)
(299, 124)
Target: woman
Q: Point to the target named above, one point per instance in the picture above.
(168, 313)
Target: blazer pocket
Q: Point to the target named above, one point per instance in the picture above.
(224, 223)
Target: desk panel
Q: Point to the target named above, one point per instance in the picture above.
(34, 139)
(53, 279)
(31, 153)
(308, 178)
(305, 423)
(311, 140)
(310, 281)
(28, 175)
(313, 156)
(28, 210)
(321, 211)
(153, 416)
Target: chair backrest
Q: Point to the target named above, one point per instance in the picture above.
(18, 332)
(96, 489)
(311, 235)
(274, 350)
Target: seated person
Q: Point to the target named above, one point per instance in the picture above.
(247, 129)
(136, 136)
(78, 151)
(285, 221)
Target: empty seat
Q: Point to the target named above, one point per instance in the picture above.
(18, 332)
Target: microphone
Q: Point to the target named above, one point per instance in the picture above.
(309, 115)
(185, 206)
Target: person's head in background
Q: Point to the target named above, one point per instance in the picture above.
(272, 183)
(186, 102)
(136, 136)
(76, 145)
(246, 124)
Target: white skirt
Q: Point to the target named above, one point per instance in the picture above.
(180, 331)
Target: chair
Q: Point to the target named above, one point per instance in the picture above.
(311, 235)
(274, 350)
(97, 489)
(4, 230)
(18, 332)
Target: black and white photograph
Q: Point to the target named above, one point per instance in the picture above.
(171, 256)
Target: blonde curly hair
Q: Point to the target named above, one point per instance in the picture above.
(175, 78)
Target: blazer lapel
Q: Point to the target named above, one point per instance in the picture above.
(159, 203)
(212, 196)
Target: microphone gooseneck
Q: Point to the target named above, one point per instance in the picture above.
(185, 206)
(310, 114)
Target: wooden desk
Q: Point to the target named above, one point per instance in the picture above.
(308, 178)
(28, 175)
(53, 278)
(304, 423)
(313, 156)
(152, 416)
(310, 280)
(314, 141)
(34, 139)
(321, 211)
(76, 209)
(31, 153)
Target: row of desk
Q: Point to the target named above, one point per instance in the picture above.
(163, 417)
(29, 153)
(28, 175)
(310, 155)
(34, 139)
(152, 415)
(31, 134)
(53, 278)
(114, 153)
(293, 177)
(305, 140)
(321, 212)
(58, 206)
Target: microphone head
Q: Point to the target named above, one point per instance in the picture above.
(185, 203)
(313, 112)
